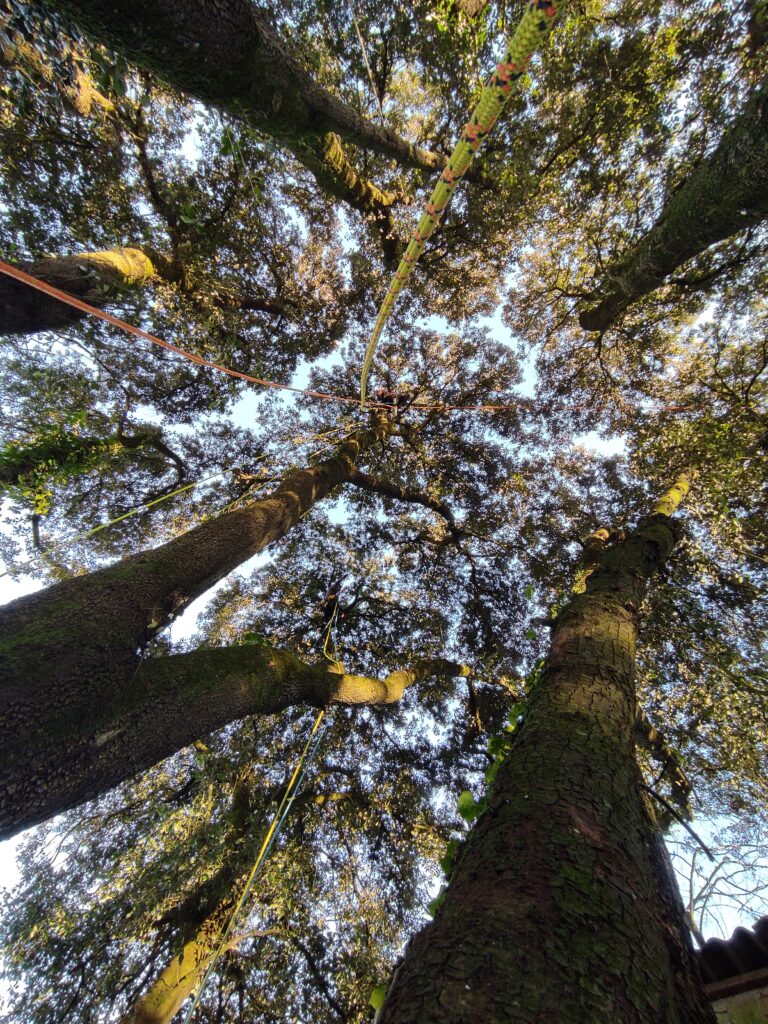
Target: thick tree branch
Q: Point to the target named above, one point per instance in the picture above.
(377, 485)
(102, 279)
(727, 193)
(238, 62)
(69, 655)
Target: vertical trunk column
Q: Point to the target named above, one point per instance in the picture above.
(558, 910)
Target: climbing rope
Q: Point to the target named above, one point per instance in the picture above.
(310, 748)
(126, 515)
(533, 29)
(138, 332)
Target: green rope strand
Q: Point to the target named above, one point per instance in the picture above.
(533, 29)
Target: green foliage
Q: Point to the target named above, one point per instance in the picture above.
(619, 112)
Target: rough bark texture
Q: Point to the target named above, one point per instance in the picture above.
(725, 194)
(204, 914)
(233, 58)
(69, 655)
(95, 277)
(560, 910)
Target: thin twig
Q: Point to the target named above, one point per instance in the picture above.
(668, 806)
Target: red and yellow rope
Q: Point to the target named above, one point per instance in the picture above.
(533, 29)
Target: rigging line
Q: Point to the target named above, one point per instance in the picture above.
(532, 30)
(70, 300)
(138, 332)
(289, 796)
(368, 66)
(125, 515)
(328, 635)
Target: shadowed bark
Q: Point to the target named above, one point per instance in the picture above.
(101, 279)
(727, 193)
(70, 655)
(560, 907)
(236, 61)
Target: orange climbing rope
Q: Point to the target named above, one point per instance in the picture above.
(70, 300)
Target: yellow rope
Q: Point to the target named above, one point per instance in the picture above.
(271, 833)
(125, 515)
(533, 29)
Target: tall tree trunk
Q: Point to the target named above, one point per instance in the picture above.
(725, 194)
(202, 917)
(238, 62)
(560, 908)
(69, 655)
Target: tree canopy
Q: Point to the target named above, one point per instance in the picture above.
(435, 570)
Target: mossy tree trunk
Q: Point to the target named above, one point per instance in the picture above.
(99, 278)
(237, 61)
(560, 908)
(70, 656)
(727, 193)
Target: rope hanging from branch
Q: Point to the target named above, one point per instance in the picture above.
(533, 29)
(307, 754)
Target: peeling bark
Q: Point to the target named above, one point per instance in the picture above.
(561, 908)
(727, 193)
(70, 655)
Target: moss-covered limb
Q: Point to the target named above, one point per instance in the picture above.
(237, 62)
(102, 278)
(335, 173)
(201, 918)
(164, 706)
(727, 193)
(669, 502)
(96, 277)
(179, 979)
(69, 652)
(558, 908)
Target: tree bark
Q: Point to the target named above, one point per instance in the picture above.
(95, 277)
(560, 907)
(727, 193)
(236, 61)
(266, 680)
(69, 655)
(102, 279)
